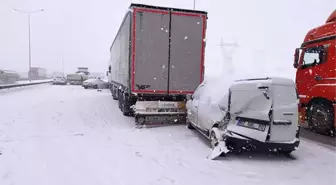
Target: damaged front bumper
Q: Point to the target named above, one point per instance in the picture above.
(236, 142)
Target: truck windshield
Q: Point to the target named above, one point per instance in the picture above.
(312, 56)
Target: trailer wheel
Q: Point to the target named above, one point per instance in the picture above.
(114, 94)
(119, 100)
(125, 105)
(321, 117)
(125, 110)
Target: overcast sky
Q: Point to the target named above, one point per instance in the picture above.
(84, 30)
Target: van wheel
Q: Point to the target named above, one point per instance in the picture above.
(214, 137)
(190, 126)
(321, 117)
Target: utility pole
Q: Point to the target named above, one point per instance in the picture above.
(228, 49)
(62, 60)
(259, 59)
(194, 5)
(29, 33)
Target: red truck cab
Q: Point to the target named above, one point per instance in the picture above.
(316, 77)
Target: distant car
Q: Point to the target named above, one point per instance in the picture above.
(95, 83)
(59, 80)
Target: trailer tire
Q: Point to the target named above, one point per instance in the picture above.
(114, 94)
(119, 100)
(125, 105)
(321, 117)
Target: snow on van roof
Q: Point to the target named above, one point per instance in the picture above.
(270, 80)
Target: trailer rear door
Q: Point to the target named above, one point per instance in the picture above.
(187, 52)
(150, 53)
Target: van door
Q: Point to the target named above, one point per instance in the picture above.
(250, 108)
(284, 114)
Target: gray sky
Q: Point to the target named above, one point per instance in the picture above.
(84, 30)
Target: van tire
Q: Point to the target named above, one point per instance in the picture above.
(321, 117)
(190, 126)
(213, 137)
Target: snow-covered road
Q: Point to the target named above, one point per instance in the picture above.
(65, 135)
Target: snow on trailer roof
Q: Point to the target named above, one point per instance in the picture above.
(167, 8)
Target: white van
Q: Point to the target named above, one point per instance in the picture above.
(255, 113)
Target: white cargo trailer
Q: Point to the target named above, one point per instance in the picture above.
(157, 55)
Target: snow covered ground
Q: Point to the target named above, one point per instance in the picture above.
(65, 135)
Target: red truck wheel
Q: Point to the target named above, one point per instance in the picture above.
(321, 117)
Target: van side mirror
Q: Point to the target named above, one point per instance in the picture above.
(296, 57)
(109, 69)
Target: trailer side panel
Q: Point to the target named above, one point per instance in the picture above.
(120, 50)
(187, 52)
(150, 46)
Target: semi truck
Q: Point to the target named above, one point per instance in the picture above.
(8, 77)
(157, 59)
(316, 77)
(79, 76)
(37, 73)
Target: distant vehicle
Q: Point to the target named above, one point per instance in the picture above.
(7, 76)
(37, 73)
(316, 77)
(59, 80)
(157, 58)
(95, 83)
(79, 76)
(253, 112)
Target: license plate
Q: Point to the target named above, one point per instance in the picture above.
(167, 105)
(157, 118)
(251, 125)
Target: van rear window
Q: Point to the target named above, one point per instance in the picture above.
(284, 95)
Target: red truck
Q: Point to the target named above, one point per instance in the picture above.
(316, 77)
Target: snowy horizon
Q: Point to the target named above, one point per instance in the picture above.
(267, 32)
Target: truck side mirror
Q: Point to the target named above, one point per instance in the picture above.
(109, 69)
(296, 57)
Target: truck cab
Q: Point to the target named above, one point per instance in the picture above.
(316, 77)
